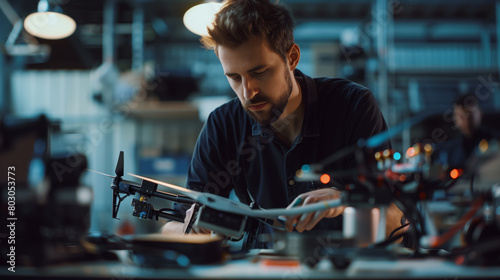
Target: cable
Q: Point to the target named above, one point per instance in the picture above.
(472, 184)
(438, 241)
(390, 240)
(271, 225)
(398, 228)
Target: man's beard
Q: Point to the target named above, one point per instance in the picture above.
(265, 118)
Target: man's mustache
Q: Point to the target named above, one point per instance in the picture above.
(256, 100)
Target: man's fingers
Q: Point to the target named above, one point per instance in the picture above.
(308, 221)
(318, 215)
(303, 222)
(305, 218)
(290, 223)
(296, 202)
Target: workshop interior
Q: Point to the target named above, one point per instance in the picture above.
(102, 102)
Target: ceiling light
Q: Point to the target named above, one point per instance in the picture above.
(200, 17)
(49, 22)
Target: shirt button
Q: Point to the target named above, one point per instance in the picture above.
(291, 182)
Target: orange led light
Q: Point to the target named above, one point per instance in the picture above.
(410, 152)
(325, 179)
(454, 174)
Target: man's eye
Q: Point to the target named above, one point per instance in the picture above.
(260, 73)
(235, 78)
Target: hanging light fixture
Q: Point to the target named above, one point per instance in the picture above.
(198, 18)
(49, 22)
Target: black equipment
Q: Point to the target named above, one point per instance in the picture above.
(142, 208)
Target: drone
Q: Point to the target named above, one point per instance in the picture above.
(216, 213)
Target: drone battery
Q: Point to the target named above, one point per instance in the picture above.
(225, 223)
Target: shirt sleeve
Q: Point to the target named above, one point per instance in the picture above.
(207, 172)
(363, 121)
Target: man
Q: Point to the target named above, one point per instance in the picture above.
(468, 119)
(280, 120)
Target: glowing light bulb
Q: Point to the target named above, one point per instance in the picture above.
(200, 17)
(49, 25)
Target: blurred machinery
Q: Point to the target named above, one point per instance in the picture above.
(446, 209)
(45, 204)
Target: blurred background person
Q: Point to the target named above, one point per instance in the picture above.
(468, 120)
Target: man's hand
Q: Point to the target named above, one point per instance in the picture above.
(194, 229)
(173, 227)
(309, 220)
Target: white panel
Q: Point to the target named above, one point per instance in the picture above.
(18, 87)
(59, 94)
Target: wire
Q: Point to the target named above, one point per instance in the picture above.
(271, 225)
(390, 240)
(438, 241)
(472, 184)
(398, 228)
(411, 213)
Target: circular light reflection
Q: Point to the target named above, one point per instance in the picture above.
(325, 179)
(397, 156)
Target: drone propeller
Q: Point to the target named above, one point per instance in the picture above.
(379, 139)
(107, 175)
(371, 142)
(119, 165)
(117, 199)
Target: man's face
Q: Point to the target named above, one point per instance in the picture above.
(467, 120)
(259, 77)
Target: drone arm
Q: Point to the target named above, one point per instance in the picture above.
(132, 188)
(175, 198)
(169, 216)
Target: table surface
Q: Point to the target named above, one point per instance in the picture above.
(255, 267)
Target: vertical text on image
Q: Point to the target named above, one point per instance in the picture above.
(11, 217)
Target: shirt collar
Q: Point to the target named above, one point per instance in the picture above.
(310, 101)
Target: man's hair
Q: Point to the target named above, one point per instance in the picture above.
(239, 20)
(468, 101)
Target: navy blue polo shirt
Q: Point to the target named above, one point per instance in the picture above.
(235, 152)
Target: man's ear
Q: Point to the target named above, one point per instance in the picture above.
(293, 56)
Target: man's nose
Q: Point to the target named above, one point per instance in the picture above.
(249, 89)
